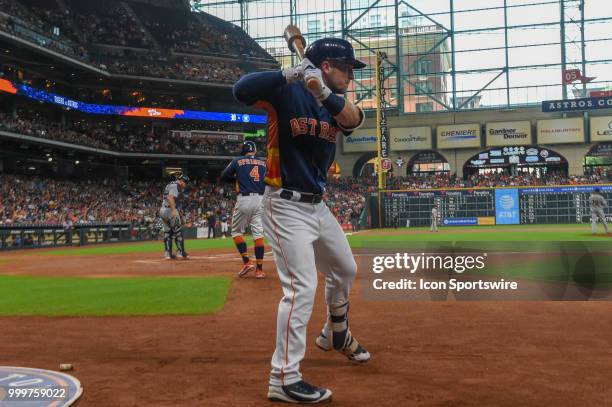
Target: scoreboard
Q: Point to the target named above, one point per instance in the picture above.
(488, 206)
(561, 204)
(413, 208)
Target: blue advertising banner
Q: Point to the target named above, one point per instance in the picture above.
(507, 206)
(569, 105)
(153, 112)
(460, 221)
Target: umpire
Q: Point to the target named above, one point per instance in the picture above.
(171, 219)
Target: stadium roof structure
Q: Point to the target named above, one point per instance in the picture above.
(504, 53)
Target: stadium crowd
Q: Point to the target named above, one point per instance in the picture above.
(146, 40)
(494, 179)
(21, 23)
(161, 66)
(36, 200)
(120, 136)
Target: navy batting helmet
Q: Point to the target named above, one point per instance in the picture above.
(248, 147)
(332, 48)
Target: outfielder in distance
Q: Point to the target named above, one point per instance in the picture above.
(598, 203)
(171, 219)
(304, 125)
(434, 219)
(248, 171)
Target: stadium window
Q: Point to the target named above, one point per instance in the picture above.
(330, 25)
(424, 67)
(424, 107)
(404, 19)
(55, 30)
(375, 20)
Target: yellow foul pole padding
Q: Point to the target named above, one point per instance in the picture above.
(379, 172)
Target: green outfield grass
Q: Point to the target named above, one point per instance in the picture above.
(519, 233)
(61, 296)
(498, 233)
(591, 271)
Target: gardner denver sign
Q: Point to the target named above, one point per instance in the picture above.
(566, 105)
(508, 133)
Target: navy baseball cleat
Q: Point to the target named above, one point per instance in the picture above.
(299, 393)
(169, 256)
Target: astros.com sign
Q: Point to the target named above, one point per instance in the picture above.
(566, 105)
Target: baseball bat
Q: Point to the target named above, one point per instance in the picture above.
(297, 43)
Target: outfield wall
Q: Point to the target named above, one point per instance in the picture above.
(37, 236)
(561, 204)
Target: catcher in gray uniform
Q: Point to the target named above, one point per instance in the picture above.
(171, 219)
(598, 202)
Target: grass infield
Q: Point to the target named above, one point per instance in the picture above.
(61, 296)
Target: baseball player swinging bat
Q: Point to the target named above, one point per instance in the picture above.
(306, 123)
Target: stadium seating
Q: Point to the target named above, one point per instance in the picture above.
(161, 66)
(34, 27)
(125, 136)
(34, 200)
(53, 17)
(107, 22)
(144, 40)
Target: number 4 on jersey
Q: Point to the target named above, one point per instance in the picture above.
(255, 173)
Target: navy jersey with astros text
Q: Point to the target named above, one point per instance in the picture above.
(249, 173)
(302, 136)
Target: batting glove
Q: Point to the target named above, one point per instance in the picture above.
(306, 65)
(293, 74)
(320, 92)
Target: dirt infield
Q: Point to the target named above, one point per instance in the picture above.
(424, 353)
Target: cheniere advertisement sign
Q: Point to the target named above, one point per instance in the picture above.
(458, 136)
